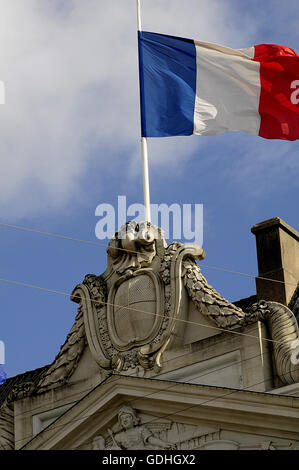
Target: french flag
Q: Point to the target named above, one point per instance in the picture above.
(192, 87)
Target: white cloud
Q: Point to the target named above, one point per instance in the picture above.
(70, 69)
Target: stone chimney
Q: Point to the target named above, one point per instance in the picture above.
(278, 258)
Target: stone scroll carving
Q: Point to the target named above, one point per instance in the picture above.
(284, 332)
(131, 310)
(131, 314)
(281, 321)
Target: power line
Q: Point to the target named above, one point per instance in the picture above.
(89, 242)
(146, 396)
(248, 275)
(174, 383)
(137, 310)
(195, 377)
(63, 237)
(186, 321)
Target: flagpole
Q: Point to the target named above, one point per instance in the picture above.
(145, 172)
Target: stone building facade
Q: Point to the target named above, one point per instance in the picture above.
(158, 359)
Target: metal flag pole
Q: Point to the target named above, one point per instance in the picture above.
(145, 173)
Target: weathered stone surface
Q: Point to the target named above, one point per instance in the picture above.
(278, 259)
(187, 417)
(294, 303)
(7, 439)
(67, 359)
(153, 315)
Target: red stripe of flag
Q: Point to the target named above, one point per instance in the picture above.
(279, 98)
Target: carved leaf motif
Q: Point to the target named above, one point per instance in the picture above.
(208, 301)
(7, 427)
(67, 359)
(214, 310)
(199, 296)
(204, 310)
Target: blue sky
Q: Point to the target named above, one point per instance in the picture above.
(69, 140)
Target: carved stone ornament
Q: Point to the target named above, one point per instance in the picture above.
(21, 391)
(267, 445)
(132, 432)
(130, 311)
(134, 311)
(7, 438)
(68, 357)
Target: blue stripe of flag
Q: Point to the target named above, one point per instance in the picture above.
(167, 84)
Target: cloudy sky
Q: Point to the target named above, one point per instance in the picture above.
(69, 140)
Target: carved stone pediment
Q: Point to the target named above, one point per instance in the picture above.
(134, 430)
(189, 416)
